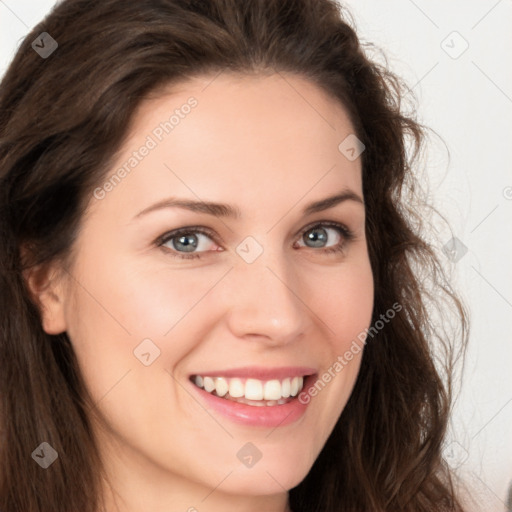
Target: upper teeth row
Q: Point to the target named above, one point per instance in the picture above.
(252, 389)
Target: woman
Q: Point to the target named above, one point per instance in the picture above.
(214, 286)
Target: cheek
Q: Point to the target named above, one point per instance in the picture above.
(139, 299)
(120, 305)
(344, 302)
(154, 303)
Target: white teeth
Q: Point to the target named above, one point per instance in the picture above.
(254, 389)
(209, 384)
(236, 388)
(285, 388)
(296, 385)
(274, 392)
(221, 386)
(294, 388)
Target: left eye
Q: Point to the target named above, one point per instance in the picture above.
(320, 236)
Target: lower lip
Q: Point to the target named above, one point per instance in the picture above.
(262, 416)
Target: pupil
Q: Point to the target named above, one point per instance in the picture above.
(317, 236)
(186, 243)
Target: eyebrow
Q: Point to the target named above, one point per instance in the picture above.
(228, 211)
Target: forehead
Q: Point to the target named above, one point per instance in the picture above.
(256, 137)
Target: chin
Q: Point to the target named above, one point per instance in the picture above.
(267, 480)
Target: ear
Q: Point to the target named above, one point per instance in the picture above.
(46, 287)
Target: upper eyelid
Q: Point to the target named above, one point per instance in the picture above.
(169, 235)
(328, 223)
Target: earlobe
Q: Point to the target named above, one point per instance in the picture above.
(52, 313)
(46, 290)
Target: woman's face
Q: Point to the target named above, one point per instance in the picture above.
(267, 288)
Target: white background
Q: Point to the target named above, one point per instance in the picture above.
(466, 98)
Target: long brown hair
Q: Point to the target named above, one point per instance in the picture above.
(62, 119)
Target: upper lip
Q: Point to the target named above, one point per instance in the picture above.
(261, 372)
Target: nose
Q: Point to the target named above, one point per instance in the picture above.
(266, 302)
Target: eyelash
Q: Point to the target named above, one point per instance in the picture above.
(343, 230)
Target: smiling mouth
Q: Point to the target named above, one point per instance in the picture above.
(259, 393)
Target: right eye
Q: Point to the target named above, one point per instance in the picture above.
(187, 243)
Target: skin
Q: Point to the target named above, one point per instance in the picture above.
(269, 146)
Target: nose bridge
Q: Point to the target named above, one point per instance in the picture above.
(265, 300)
